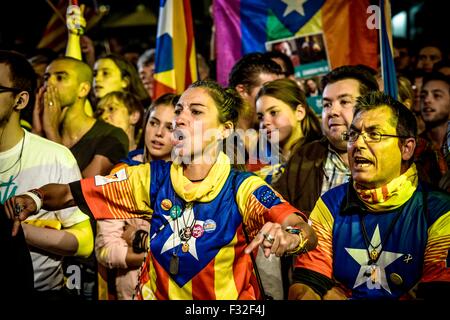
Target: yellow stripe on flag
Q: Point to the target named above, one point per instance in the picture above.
(314, 25)
(224, 284)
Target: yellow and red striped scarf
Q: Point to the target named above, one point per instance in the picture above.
(391, 195)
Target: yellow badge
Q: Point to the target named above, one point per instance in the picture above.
(396, 279)
(166, 204)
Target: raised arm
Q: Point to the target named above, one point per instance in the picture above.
(76, 25)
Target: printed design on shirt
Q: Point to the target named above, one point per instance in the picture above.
(120, 175)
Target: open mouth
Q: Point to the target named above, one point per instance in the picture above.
(361, 162)
(156, 143)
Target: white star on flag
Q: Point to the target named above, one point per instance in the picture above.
(362, 257)
(174, 240)
(294, 5)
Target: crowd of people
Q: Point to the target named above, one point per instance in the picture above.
(244, 192)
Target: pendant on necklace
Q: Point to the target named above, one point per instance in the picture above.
(185, 247)
(174, 263)
(374, 255)
(372, 272)
(185, 233)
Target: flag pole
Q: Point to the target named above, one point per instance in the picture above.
(55, 10)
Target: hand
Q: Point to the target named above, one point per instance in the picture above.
(18, 209)
(51, 116)
(37, 127)
(128, 234)
(76, 24)
(88, 49)
(273, 239)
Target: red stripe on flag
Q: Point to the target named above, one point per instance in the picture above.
(161, 88)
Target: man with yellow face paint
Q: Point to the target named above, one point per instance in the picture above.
(384, 233)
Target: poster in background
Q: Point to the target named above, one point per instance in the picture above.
(309, 56)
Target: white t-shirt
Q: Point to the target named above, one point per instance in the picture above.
(30, 164)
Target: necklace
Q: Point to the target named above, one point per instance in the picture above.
(186, 232)
(372, 251)
(17, 161)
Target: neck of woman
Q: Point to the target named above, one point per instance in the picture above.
(286, 148)
(197, 171)
(200, 165)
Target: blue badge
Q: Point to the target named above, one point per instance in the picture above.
(209, 226)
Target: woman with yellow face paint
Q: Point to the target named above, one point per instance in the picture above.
(207, 218)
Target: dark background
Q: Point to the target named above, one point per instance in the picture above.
(22, 23)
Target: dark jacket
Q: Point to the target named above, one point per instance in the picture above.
(301, 182)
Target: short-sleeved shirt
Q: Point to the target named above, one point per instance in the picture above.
(102, 139)
(32, 163)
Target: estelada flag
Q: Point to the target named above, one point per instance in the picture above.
(175, 58)
(244, 26)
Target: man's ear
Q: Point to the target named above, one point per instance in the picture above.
(83, 89)
(21, 101)
(407, 148)
(300, 112)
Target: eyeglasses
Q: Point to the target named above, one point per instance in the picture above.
(6, 89)
(369, 137)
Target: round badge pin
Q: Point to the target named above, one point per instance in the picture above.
(396, 278)
(209, 225)
(166, 204)
(185, 247)
(197, 231)
(175, 211)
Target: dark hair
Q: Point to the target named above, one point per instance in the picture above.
(21, 73)
(129, 71)
(289, 92)
(367, 81)
(247, 70)
(444, 63)
(403, 118)
(228, 102)
(130, 101)
(436, 76)
(286, 60)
